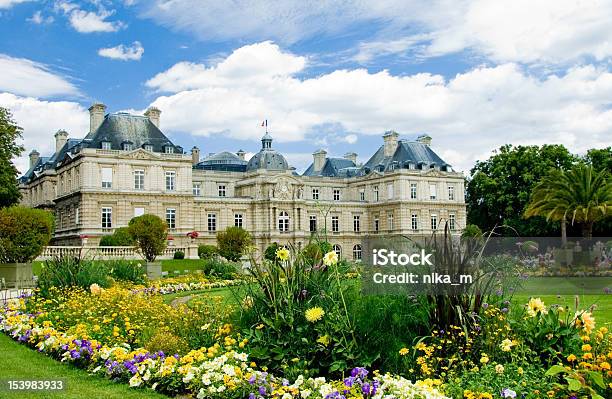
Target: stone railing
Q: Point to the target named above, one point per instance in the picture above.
(50, 252)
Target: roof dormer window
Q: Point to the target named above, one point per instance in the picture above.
(148, 147)
(168, 149)
(127, 146)
(105, 145)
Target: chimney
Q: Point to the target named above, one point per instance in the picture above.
(195, 155)
(390, 139)
(351, 156)
(96, 116)
(61, 137)
(319, 159)
(153, 114)
(424, 139)
(241, 154)
(34, 155)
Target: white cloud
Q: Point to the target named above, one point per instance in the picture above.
(519, 31)
(88, 21)
(123, 52)
(6, 4)
(351, 138)
(41, 119)
(38, 19)
(470, 114)
(29, 78)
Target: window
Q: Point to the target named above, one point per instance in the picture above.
(107, 177)
(362, 195)
(432, 191)
(413, 191)
(106, 145)
(336, 194)
(148, 147)
(337, 249)
(169, 149)
(376, 224)
(139, 180)
(356, 252)
(411, 166)
(434, 222)
(315, 193)
(238, 220)
(107, 218)
(222, 190)
(171, 218)
(415, 221)
(390, 191)
(170, 180)
(138, 212)
(128, 146)
(335, 224)
(313, 223)
(390, 221)
(197, 189)
(451, 221)
(77, 216)
(451, 193)
(212, 222)
(356, 223)
(376, 193)
(283, 222)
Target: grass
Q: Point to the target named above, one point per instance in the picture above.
(19, 362)
(168, 265)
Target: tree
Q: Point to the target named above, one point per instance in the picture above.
(580, 195)
(9, 149)
(149, 233)
(233, 242)
(499, 188)
(600, 158)
(121, 237)
(24, 233)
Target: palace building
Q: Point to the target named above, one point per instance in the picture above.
(125, 166)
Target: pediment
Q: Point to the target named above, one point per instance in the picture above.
(139, 153)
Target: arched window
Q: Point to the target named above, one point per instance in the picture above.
(337, 249)
(357, 252)
(283, 222)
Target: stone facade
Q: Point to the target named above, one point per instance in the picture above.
(94, 188)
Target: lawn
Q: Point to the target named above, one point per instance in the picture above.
(19, 362)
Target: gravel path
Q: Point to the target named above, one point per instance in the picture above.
(181, 300)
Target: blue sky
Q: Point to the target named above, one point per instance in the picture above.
(328, 74)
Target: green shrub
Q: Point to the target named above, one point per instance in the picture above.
(233, 242)
(125, 270)
(69, 271)
(219, 269)
(167, 342)
(120, 238)
(149, 233)
(179, 255)
(270, 252)
(24, 233)
(313, 252)
(207, 251)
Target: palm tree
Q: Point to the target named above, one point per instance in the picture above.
(579, 195)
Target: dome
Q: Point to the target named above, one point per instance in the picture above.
(267, 158)
(223, 161)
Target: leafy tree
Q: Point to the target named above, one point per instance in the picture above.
(270, 252)
(149, 233)
(580, 195)
(9, 149)
(120, 238)
(233, 242)
(600, 158)
(24, 233)
(499, 188)
(207, 251)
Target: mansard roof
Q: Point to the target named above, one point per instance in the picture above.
(407, 152)
(47, 163)
(334, 167)
(123, 127)
(223, 161)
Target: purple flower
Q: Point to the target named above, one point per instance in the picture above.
(508, 393)
(252, 380)
(262, 390)
(349, 381)
(251, 395)
(504, 310)
(365, 388)
(485, 305)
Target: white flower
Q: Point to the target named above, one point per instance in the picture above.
(305, 393)
(135, 380)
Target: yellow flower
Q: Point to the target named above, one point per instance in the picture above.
(535, 306)
(282, 254)
(314, 314)
(324, 340)
(95, 289)
(506, 345)
(586, 348)
(330, 258)
(571, 358)
(604, 365)
(484, 359)
(404, 351)
(499, 369)
(520, 371)
(588, 321)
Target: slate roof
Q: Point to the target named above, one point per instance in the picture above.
(267, 158)
(46, 163)
(223, 161)
(407, 152)
(334, 167)
(123, 127)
